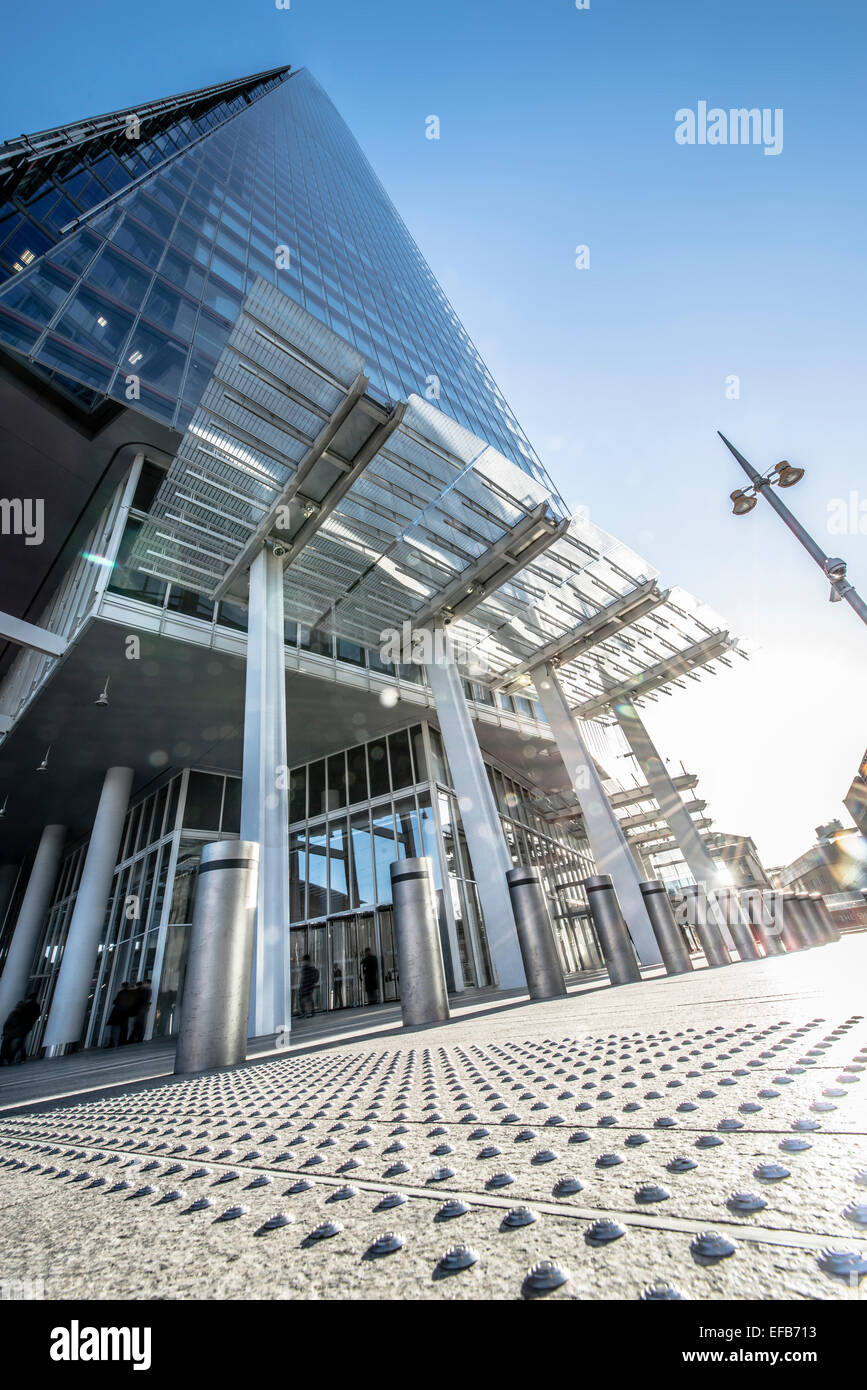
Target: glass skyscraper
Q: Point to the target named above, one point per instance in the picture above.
(128, 247)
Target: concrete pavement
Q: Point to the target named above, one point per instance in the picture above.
(645, 1108)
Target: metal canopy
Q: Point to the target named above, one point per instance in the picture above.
(387, 515)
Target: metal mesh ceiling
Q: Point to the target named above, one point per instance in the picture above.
(387, 518)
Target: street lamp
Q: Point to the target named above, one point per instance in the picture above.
(785, 474)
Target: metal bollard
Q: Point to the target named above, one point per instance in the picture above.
(826, 916)
(716, 952)
(815, 919)
(423, 994)
(216, 1000)
(757, 907)
(614, 938)
(729, 906)
(812, 930)
(668, 935)
(535, 935)
(795, 933)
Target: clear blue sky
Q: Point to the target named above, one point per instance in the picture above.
(557, 128)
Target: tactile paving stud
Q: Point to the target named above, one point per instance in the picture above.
(580, 1136)
(500, 1180)
(545, 1277)
(520, 1216)
(232, 1213)
(200, 1204)
(710, 1245)
(145, 1191)
(845, 1264)
(544, 1156)
(856, 1212)
(771, 1172)
(659, 1293)
(441, 1175)
(567, 1187)
(451, 1209)
(274, 1223)
(457, 1257)
(795, 1146)
(651, 1192)
(681, 1164)
(604, 1230)
(386, 1244)
(729, 1125)
(391, 1199)
(708, 1141)
(396, 1169)
(609, 1160)
(343, 1194)
(745, 1202)
(302, 1185)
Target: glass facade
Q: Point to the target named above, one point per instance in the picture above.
(352, 814)
(149, 285)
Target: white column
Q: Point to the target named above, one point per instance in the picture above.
(607, 840)
(34, 905)
(481, 822)
(265, 795)
(677, 817)
(69, 1004)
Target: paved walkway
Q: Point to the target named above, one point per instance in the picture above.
(607, 1133)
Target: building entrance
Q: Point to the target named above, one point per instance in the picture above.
(354, 958)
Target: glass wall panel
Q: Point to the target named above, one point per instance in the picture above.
(384, 850)
(204, 800)
(338, 865)
(316, 788)
(317, 872)
(377, 765)
(401, 761)
(357, 775)
(363, 882)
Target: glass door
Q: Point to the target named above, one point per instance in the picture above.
(390, 976)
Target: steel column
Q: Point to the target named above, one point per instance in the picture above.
(608, 844)
(265, 796)
(31, 915)
(69, 1005)
(481, 822)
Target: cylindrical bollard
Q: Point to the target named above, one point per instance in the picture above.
(535, 935)
(669, 937)
(216, 999)
(826, 916)
(695, 902)
(757, 907)
(813, 932)
(423, 994)
(815, 919)
(795, 933)
(729, 906)
(617, 949)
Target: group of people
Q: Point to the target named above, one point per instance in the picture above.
(129, 1013)
(15, 1029)
(308, 979)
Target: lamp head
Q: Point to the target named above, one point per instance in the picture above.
(742, 502)
(787, 475)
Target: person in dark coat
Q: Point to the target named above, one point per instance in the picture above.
(139, 1013)
(29, 1013)
(370, 971)
(337, 987)
(118, 1019)
(307, 982)
(15, 1030)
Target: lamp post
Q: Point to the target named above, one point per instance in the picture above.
(785, 475)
